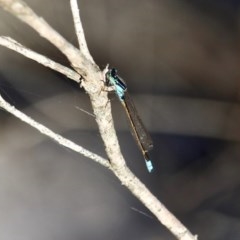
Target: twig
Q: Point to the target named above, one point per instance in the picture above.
(14, 45)
(22, 11)
(79, 30)
(140, 191)
(56, 137)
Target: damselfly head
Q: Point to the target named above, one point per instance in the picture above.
(113, 72)
(112, 77)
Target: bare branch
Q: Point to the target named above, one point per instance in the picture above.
(153, 204)
(56, 137)
(15, 46)
(79, 31)
(22, 11)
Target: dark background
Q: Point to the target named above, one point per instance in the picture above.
(181, 62)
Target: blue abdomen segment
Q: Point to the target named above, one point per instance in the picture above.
(149, 165)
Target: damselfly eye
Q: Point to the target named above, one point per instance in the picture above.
(114, 72)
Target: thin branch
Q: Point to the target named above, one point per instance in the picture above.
(79, 30)
(22, 11)
(56, 137)
(15, 46)
(140, 191)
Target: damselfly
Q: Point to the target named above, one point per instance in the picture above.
(142, 137)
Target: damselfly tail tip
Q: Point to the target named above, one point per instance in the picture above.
(149, 166)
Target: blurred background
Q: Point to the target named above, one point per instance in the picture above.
(180, 60)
